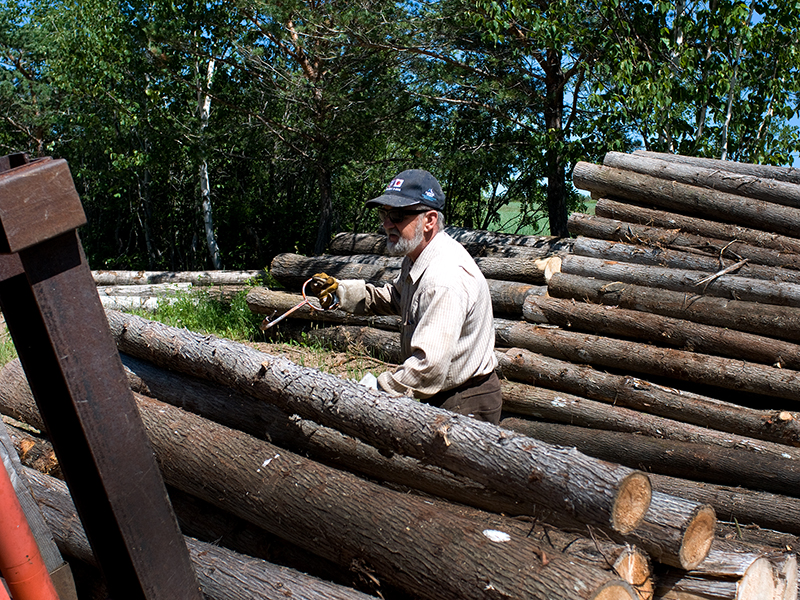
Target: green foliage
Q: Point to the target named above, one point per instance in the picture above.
(199, 311)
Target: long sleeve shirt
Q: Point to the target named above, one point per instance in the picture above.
(447, 326)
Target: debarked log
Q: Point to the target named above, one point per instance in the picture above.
(679, 280)
(728, 208)
(204, 278)
(221, 573)
(782, 427)
(769, 320)
(740, 184)
(514, 465)
(704, 228)
(629, 247)
(636, 357)
(544, 404)
(686, 460)
(292, 270)
(660, 330)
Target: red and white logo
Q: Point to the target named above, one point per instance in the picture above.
(395, 185)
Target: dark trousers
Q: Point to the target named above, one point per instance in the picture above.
(480, 398)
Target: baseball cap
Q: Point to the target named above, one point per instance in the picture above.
(411, 187)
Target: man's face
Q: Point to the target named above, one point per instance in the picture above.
(404, 237)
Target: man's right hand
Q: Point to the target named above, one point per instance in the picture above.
(323, 287)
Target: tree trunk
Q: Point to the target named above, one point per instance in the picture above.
(705, 255)
(692, 282)
(728, 208)
(659, 330)
(735, 503)
(544, 404)
(614, 496)
(346, 452)
(630, 213)
(782, 427)
(672, 238)
(293, 270)
(325, 206)
(768, 190)
(635, 357)
(769, 320)
(222, 574)
(669, 457)
(787, 174)
(204, 109)
(476, 242)
(205, 278)
(555, 82)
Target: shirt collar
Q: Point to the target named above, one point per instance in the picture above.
(426, 257)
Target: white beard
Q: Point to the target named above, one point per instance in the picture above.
(404, 246)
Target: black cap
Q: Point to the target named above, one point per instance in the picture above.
(411, 187)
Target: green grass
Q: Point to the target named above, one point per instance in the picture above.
(198, 311)
(8, 351)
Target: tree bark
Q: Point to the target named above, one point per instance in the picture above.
(222, 574)
(549, 405)
(476, 242)
(193, 277)
(782, 427)
(692, 282)
(597, 227)
(700, 257)
(728, 208)
(631, 213)
(787, 174)
(614, 496)
(769, 320)
(760, 188)
(659, 330)
(292, 270)
(636, 357)
(150, 289)
(669, 457)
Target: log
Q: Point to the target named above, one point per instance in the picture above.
(598, 227)
(735, 503)
(514, 465)
(292, 270)
(429, 553)
(145, 303)
(194, 277)
(691, 282)
(740, 184)
(782, 427)
(769, 320)
(150, 289)
(684, 460)
(544, 404)
(653, 248)
(222, 574)
(477, 243)
(728, 208)
(636, 357)
(632, 213)
(787, 174)
(663, 331)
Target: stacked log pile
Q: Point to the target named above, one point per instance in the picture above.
(663, 337)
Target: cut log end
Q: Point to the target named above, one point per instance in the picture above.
(549, 266)
(632, 502)
(615, 590)
(633, 566)
(698, 537)
(758, 581)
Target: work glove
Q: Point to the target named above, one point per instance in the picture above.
(323, 286)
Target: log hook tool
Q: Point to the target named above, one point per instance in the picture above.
(267, 323)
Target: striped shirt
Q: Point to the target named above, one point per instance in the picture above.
(447, 326)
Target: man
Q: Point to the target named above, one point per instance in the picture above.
(447, 329)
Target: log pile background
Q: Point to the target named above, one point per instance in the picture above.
(654, 356)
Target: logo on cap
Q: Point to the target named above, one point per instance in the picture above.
(430, 193)
(395, 185)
